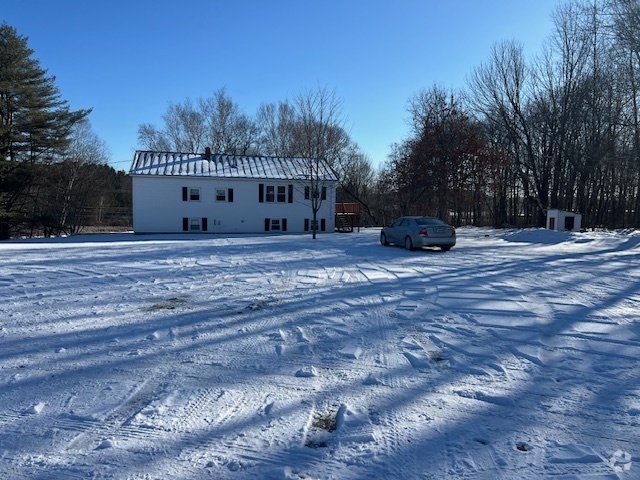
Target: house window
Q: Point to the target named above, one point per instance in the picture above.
(224, 195)
(194, 225)
(318, 193)
(309, 224)
(282, 194)
(191, 194)
(319, 225)
(275, 224)
(270, 196)
(272, 193)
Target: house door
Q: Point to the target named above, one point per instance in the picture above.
(552, 223)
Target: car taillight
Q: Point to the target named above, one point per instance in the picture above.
(453, 232)
(423, 232)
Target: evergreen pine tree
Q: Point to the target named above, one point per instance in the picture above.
(35, 123)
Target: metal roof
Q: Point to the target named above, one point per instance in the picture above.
(175, 164)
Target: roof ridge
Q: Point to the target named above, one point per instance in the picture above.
(258, 155)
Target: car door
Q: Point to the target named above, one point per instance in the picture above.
(409, 230)
(394, 231)
(402, 230)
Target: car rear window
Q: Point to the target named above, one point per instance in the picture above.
(429, 221)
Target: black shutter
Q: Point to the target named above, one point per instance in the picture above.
(306, 193)
(204, 224)
(306, 224)
(284, 224)
(185, 194)
(261, 192)
(324, 193)
(290, 193)
(267, 224)
(185, 224)
(323, 225)
(230, 195)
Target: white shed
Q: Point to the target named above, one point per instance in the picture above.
(188, 192)
(564, 221)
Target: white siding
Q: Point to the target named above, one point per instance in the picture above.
(158, 205)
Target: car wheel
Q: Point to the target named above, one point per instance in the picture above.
(383, 240)
(408, 244)
(446, 249)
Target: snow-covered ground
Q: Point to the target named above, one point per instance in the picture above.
(515, 355)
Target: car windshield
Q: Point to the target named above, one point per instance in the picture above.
(429, 221)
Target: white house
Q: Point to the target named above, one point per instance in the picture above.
(188, 192)
(563, 220)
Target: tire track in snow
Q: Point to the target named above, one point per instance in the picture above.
(112, 425)
(207, 428)
(206, 409)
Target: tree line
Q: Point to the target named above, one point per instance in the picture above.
(560, 130)
(525, 134)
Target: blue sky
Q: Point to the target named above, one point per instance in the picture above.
(129, 59)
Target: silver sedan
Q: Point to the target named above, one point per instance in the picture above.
(418, 232)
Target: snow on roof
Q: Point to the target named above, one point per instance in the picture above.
(226, 166)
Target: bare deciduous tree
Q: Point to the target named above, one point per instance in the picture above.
(357, 181)
(501, 94)
(228, 129)
(627, 23)
(153, 139)
(72, 186)
(320, 125)
(319, 139)
(214, 122)
(185, 127)
(277, 127)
